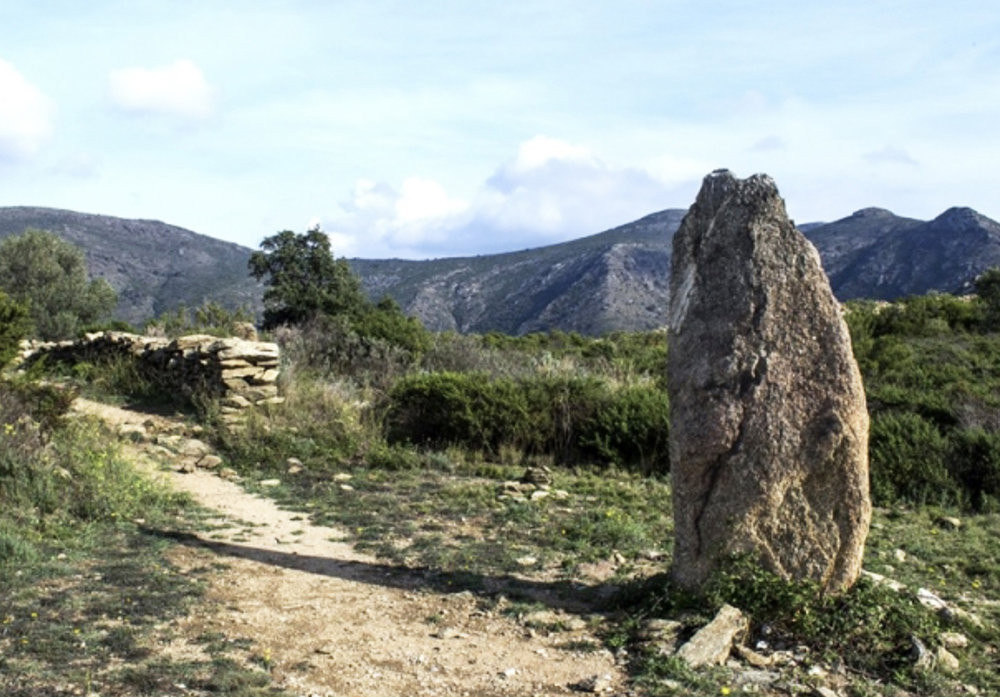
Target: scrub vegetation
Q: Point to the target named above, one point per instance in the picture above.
(483, 457)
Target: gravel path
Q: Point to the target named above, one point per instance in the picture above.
(332, 621)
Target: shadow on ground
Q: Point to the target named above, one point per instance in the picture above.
(571, 596)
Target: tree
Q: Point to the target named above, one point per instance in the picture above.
(304, 280)
(48, 275)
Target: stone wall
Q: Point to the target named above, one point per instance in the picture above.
(239, 372)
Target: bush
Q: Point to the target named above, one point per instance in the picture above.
(908, 461)
(572, 419)
(630, 427)
(58, 474)
(975, 455)
(14, 326)
(469, 409)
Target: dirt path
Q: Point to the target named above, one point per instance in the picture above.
(332, 621)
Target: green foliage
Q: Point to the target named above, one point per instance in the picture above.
(14, 326)
(56, 474)
(572, 419)
(988, 290)
(209, 318)
(869, 627)
(931, 368)
(909, 458)
(630, 428)
(386, 322)
(49, 276)
(308, 287)
(303, 279)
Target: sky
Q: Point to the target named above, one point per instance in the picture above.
(460, 127)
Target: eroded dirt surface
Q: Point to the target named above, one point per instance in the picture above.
(328, 620)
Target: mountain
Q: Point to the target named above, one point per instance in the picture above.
(616, 279)
(153, 266)
(875, 254)
(613, 280)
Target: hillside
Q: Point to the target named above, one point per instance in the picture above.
(613, 280)
(616, 279)
(875, 254)
(153, 266)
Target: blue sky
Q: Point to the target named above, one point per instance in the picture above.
(424, 129)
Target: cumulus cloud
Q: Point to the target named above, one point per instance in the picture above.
(550, 191)
(177, 89)
(25, 115)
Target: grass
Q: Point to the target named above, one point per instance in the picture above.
(86, 595)
(468, 517)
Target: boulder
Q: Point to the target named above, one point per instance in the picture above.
(712, 643)
(768, 422)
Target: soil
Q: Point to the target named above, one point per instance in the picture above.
(329, 620)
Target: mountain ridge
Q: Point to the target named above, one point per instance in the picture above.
(612, 280)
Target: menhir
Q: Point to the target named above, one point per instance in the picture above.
(768, 424)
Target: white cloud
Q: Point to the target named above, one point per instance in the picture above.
(539, 151)
(549, 192)
(178, 89)
(25, 115)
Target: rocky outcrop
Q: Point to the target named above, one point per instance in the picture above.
(238, 372)
(769, 427)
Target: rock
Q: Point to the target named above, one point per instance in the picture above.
(931, 600)
(954, 640)
(751, 657)
(946, 661)
(768, 423)
(757, 678)
(539, 476)
(822, 691)
(899, 555)
(133, 432)
(209, 461)
(948, 522)
(595, 684)
(880, 580)
(922, 658)
(269, 483)
(712, 643)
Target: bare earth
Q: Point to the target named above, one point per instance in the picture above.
(331, 621)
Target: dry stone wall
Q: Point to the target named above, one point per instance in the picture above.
(239, 372)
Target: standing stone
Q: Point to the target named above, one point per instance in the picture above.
(768, 423)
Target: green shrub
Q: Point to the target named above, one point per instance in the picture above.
(975, 458)
(329, 346)
(570, 418)
(630, 427)
(469, 409)
(320, 423)
(14, 326)
(57, 474)
(909, 461)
